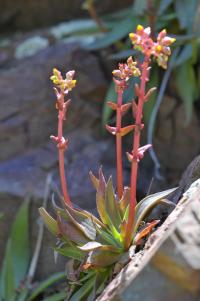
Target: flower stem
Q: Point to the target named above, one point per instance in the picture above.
(136, 145)
(61, 116)
(119, 145)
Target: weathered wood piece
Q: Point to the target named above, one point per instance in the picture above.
(169, 267)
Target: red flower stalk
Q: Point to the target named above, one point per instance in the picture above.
(121, 76)
(119, 144)
(63, 86)
(160, 50)
(136, 155)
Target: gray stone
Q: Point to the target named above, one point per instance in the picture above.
(28, 116)
(175, 142)
(26, 15)
(31, 46)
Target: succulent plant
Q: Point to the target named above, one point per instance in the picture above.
(100, 246)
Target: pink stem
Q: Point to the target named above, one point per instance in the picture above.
(119, 146)
(61, 116)
(136, 145)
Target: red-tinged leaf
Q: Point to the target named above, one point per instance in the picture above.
(112, 105)
(94, 180)
(49, 221)
(91, 245)
(94, 245)
(134, 108)
(127, 129)
(106, 237)
(146, 205)
(137, 90)
(69, 232)
(123, 229)
(111, 129)
(102, 258)
(66, 104)
(149, 93)
(129, 156)
(81, 220)
(102, 181)
(125, 200)
(112, 207)
(86, 266)
(142, 150)
(103, 213)
(144, 232)
(125, 107)
(70, 252)
(101, 207)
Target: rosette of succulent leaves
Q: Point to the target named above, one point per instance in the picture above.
(98, 247)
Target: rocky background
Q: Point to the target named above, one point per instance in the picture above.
(29, 49)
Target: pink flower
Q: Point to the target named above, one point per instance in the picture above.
(127, 70)
(159, 49)
(142, 40)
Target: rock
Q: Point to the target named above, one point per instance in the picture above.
(175, 143)
(27, 108)
(30, 47)
(26, 15)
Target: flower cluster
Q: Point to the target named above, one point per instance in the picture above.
(125, 71)
(65, 84)
(159, 49)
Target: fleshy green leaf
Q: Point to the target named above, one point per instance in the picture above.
(20, 243)
(125, 200)
(102, 258)
(82, 220)
(91, 245)
(100, 283)
(119, 31)
(112, 205)
(7, 281)
(16, 258)
(42, 286)
(74, 27)
(49, 221)
(70, 231)
(84, 291)
(70, 251)
(94, 180)
(94, 245)
(148, 203)
(107, 237)
(56, 297)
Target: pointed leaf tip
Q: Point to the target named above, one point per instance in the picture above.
(111, 129)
